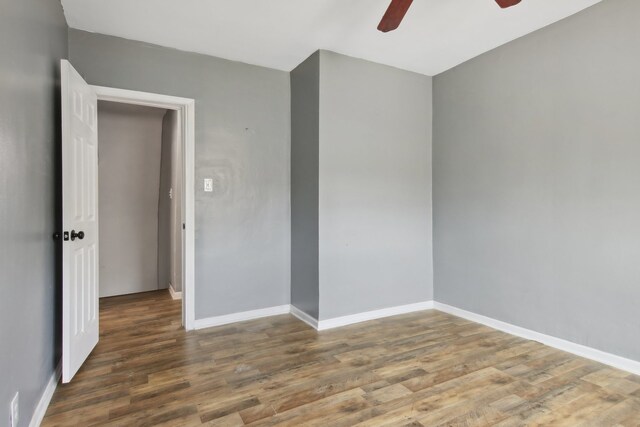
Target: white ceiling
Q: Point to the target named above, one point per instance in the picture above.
(434, 36)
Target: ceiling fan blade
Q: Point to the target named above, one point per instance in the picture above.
(507, 3)
(394, 14)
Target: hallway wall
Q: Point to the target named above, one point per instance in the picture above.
(170, 205)
(129, 150)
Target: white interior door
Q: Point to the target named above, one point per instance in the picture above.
(79, 220)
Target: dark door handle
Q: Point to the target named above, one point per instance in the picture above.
(79, 235)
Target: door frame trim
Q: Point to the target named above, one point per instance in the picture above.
(186, 109)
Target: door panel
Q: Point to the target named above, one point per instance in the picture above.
(80, 328)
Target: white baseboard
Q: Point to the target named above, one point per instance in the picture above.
(43, 404)
(240, 317)
(301, 315)
(318, 325)
(174, 294)
(337, 322)
(613, 360)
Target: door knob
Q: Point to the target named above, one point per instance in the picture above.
(79, 235)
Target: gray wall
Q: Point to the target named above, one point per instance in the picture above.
(537, 181)
(375, 186)
(170, 209)
(165, 202)
(242, 253)
(33, 38)
(305, 116)
(130, 138)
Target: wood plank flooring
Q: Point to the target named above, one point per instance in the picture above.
(421, 369)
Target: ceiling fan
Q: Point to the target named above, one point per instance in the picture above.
(398, 8)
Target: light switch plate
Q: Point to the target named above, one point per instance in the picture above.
(208, 185)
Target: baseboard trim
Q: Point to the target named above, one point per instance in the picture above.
(301, 315)
(337, 322)
(45, 399)
(613, 360)
(241, 317)
(174, 294)
(321, 325)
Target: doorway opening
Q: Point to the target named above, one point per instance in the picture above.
(146, 209)
(140, 208)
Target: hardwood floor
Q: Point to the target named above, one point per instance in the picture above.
(427, 368)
